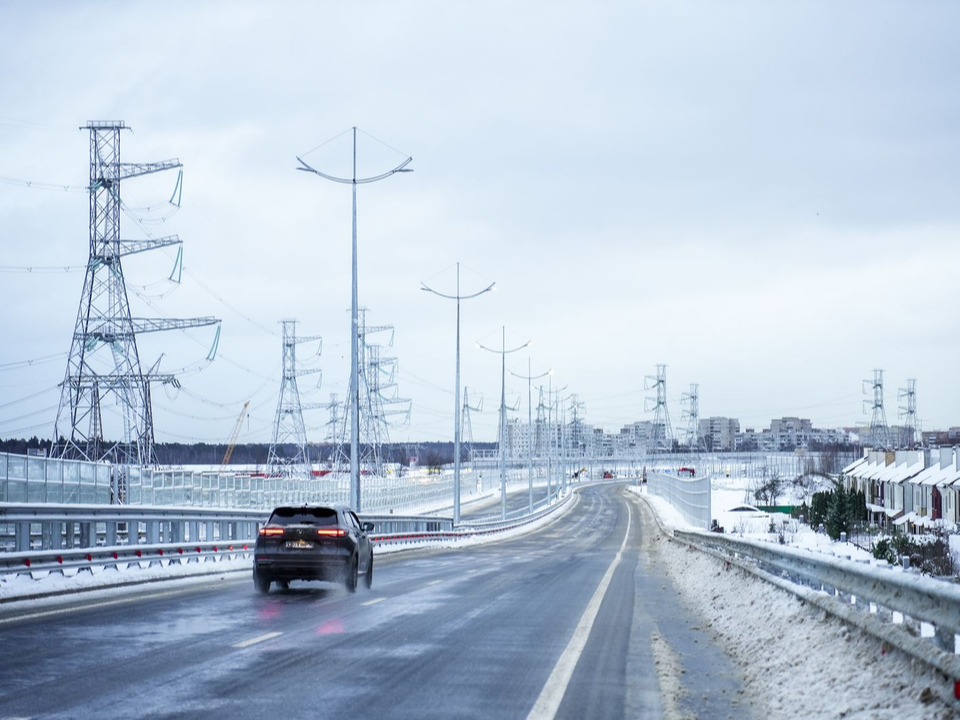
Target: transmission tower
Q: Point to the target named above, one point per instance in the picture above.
(878, 421)
(576, 425)
(909, 413)
(334, 426)
(289, 454)
(541, 426)
(378, 398)
(662, 438)
(104, 361)
(466, 427)
(693, 440)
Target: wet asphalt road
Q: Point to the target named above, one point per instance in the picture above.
(471, 633)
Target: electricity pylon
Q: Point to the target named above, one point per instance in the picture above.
(662, 440)
(378, 399)
(693, 440)
(878, 421)
(909, 413)
(104, 360)
(288, 426)
(466, 427)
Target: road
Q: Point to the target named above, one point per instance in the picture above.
(564, 622)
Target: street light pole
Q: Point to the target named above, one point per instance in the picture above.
(530, 378)
(456, 410)
(354, 321)
(503, 415)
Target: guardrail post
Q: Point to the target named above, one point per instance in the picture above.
(209, 529)
(224, 530)
(22, 536)
(193, 527)
(176, 531)
(55, 539)
(111, 536)
(152, 532)
(87, 538)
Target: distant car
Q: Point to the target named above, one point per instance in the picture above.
(313, 542)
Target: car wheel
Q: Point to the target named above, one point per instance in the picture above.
(352, 573)
(262, 584)
(368, 577)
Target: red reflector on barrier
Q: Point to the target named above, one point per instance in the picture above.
(160, 552)
(198, 549)
(244, 547)
(180, 550)
(956, 690)
(214, 548)
(89, 557)
(230, 548)
(60, 559)
(115, 556)
(27, 562)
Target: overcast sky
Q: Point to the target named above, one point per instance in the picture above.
(763, 196)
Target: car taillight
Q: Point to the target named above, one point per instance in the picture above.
(271, 531)
(331, 532)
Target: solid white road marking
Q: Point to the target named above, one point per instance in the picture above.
(373, 602)
(255, 640)
(547, 704)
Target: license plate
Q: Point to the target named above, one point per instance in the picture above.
(299, 544)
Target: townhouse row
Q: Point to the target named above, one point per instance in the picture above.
(913, 490)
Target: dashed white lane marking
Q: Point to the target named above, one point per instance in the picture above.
(257, 639)
(547, 704)
(434, 582)
(373, 602)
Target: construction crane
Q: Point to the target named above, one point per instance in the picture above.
(233, 437)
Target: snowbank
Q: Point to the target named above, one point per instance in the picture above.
(795, 660)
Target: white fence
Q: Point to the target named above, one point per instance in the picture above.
(691, 496)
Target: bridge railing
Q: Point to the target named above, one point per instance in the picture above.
(112, 536)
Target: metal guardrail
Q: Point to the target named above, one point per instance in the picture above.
(869, 594)
(87, 558)
(466, 530)
(109, 535)
(42, 526)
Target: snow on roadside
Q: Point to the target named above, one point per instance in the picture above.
(795, 660)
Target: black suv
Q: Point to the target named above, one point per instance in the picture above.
(313, 542)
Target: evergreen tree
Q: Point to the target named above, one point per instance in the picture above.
(838, 514)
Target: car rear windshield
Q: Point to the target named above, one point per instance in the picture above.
(323, 517)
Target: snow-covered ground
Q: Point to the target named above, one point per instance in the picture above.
(730, 492)
(796, 661)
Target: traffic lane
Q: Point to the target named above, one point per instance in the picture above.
(446, 621)
(517, 499)
(614, 677)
